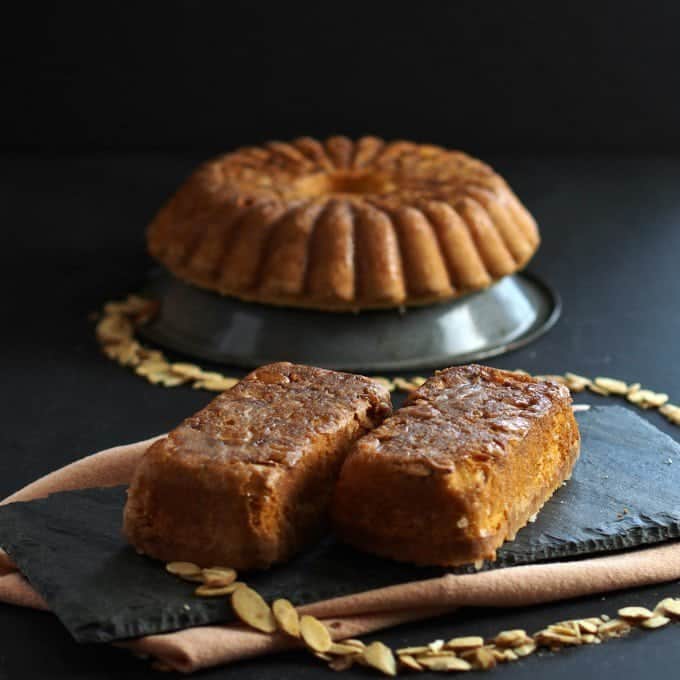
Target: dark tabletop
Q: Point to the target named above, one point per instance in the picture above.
(73, 239)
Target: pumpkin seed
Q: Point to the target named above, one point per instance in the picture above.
(287, 617)
(380, 657)
(252, 609)
(219, 576)
(218, 591)
(315, 634)
(463, 643)
(447, 663)
(183, 569)
(635, 613)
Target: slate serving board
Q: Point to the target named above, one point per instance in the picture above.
(70, 548)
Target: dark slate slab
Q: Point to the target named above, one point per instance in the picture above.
(623, 493)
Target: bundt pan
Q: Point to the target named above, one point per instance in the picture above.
(279, 235)
(510, 314)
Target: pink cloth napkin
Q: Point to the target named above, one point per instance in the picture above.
(350, 616)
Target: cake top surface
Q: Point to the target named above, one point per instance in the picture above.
(272, 415)
(343, 224)
(462, 412)
(367, 170)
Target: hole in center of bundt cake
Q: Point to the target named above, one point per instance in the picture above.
(324, 183)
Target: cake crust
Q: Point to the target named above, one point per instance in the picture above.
(471, 457)
(343, 225)
(247, 481)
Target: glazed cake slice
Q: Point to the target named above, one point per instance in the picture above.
(247, 481)
(471, 457)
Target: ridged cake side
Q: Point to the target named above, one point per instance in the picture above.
(343, 225)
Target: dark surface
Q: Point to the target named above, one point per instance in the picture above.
(70, 546)
(73, 238)
(169, 74)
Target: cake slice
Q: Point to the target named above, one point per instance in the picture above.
(247, 481)
(471, 457)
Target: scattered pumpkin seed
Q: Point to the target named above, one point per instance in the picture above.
(114, 328)
(576, 383)
(655, 621)
(315, 634)
(587, 626)
(636, 397)
(219, 576)
(657, 399)
(482, 658)
(216, 384)
(612, 385)
(219, 591)
(186, 370)
(548, 637)
(211, 375)
(647, 398)
(379, 656)
(252, 609)
(150, 366)
(413, 651)
(460, 644)
(565, 628)
(613, 628)
(193, 578)
(340, 648)
(447, 663)
(458, 654)
(183, 569)
(526, 649)
(287, 617)
(409, 662)
(436, 646)
(552, 378)
(354, 643)
(166, 378)
(635, 613)
(498, 654)
(437, 655)
(511, 638)
(671, 606)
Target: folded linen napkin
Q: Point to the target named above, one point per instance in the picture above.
(350, 616)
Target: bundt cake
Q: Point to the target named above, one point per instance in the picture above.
(343, 225)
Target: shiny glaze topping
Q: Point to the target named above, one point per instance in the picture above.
(461, 412)
(277, 413)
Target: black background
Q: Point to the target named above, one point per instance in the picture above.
(105, 107)
(487, 76)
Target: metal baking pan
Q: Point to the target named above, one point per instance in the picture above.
(204, 325)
